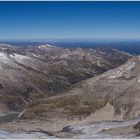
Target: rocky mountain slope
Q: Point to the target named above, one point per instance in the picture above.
(111, 96)
(28, 74)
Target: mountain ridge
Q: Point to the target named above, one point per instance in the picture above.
(30, 73)
(90, 98)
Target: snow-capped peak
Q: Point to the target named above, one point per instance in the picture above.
(45, 46)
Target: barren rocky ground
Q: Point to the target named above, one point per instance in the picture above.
(111, 96)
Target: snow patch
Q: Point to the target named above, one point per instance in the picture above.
(45, 46)
(3, 58)
(124, 69)
(19, 58)
(3, 55)
(130, 66)
(116, 74)
(33, 135)
(34, 55)
(94, 130)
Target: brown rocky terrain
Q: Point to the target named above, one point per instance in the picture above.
(111, 96)
(118, 88)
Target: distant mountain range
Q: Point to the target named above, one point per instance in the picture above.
(131, 46)
(67, 92)
(30, 73)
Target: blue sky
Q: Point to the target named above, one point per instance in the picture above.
(45, 20)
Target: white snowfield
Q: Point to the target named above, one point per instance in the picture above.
(2, 55)
(35, 55)
(95, 130)
(82, 131)
(33, 135)
(19, 57)
(116, 74)
(5, 58)
(125, 69)
(45, 46)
